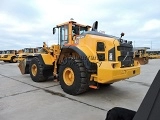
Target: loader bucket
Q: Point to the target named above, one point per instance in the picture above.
(150, 106)
(22, 66)
(143, 60)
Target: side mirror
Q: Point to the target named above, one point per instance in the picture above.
(95, 26)
(122, 34)
(54, 30)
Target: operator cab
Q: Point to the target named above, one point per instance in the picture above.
(68, 31)
(28, 50)
(4, 52)
(10, 52)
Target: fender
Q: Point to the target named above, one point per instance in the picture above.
(91, 67)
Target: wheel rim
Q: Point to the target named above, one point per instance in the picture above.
(34, 69)
(68, 76)
(14, 60)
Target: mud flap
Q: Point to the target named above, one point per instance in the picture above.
(150, 106)
(22, 66)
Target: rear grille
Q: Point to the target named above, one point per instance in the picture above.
(125, 48)
(126, 57)
(121, 58)
(100, 50)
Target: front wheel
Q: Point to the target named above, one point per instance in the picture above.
(36, 70)
(73, 76)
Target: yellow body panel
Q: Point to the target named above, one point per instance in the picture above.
(48, 59)
(107, 74)
(88, 46)
(22, 56)
(6, 57)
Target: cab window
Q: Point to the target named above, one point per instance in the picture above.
(83, 29)
(63, 35)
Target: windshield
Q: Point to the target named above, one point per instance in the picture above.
(10, 52)
(78, 29)
(38, 50)
(28, 50)
(83, 29)
(4, 52)
(63, 35)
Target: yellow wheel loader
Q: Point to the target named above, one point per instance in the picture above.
(83, 59)
(9, 56)
(141, 55)
(27, 52)
(154, 54)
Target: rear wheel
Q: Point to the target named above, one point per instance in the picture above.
(73, 76)
(13, 60)
(36, 70)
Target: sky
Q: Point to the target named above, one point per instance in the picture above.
(29, 23)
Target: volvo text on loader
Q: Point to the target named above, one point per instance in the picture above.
(84, 58)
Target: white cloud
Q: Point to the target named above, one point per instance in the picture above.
(3, 18)
(27, 23)
(151, 25)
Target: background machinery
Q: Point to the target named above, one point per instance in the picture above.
(26, 52)
(8, 56)
(83, 59)
(154, 54)
(141, 55)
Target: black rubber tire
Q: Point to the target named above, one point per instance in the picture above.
(39, 77)
(81, 79)
(12, 60)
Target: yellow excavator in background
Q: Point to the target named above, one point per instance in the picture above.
(9, 56)
(141, 55)
(83, 58)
